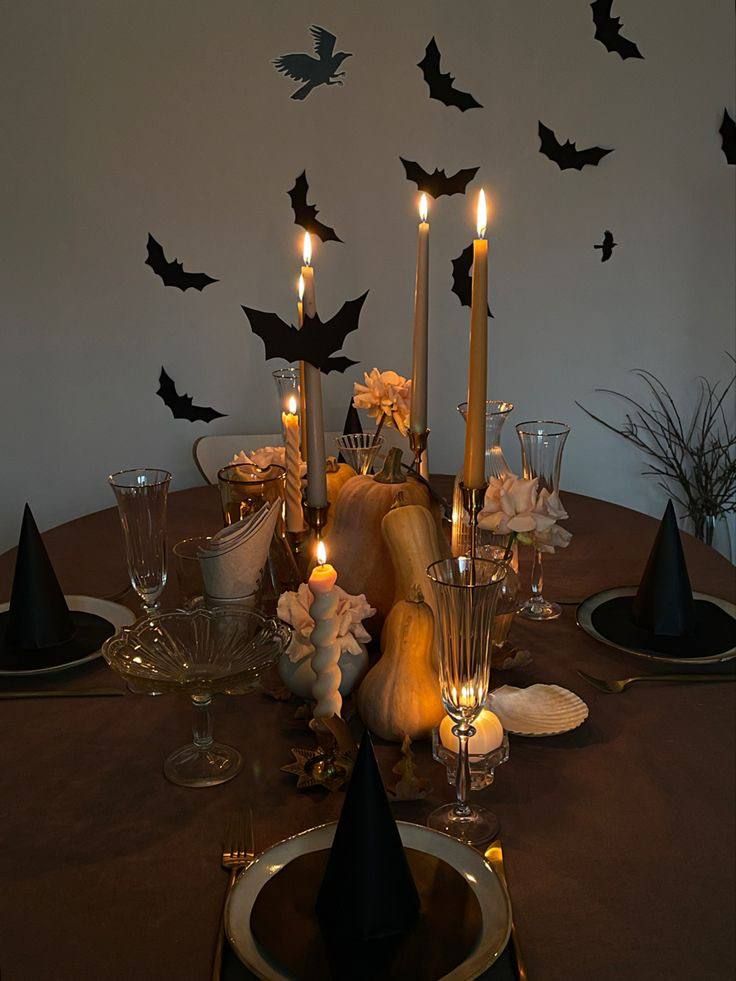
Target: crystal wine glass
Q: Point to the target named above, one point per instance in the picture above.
(141, 497)
(466, 591)
(542, 443)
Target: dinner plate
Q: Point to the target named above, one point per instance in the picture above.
(472, 866)
(588, 607)
(117, 615)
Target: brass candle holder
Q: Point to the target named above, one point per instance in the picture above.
(418, 446)
(316, 517)
(299, 545)
(473, 498)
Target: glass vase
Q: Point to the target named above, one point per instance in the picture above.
(496, 466)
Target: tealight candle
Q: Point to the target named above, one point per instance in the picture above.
(488, 734)
(326, 685)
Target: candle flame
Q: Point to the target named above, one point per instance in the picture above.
(291, 405)
(300, 288)
(307, 249)
(423, 208)
(321, 553)
(482, 214)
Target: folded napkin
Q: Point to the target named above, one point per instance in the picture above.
(233, 559)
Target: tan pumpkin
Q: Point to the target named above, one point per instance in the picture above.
(356, 546)
(338, 474)
(400, 695)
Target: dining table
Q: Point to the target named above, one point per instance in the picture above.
(618, 836)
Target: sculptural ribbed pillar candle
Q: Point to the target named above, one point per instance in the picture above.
(326, 686)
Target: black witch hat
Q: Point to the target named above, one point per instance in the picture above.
(368, 891)
(352, 426)
(39, 630)
(662, 618)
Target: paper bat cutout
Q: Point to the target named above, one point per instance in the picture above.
(181, 405)
(565, 155)
(315, 342)
(728, 137)
(607, 246)
(462, 283)
(438, 183)
(608, 31)
(172, 273)
(306, 214)
(440, 86)
(321, 70)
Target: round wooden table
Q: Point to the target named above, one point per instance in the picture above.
(618, 837)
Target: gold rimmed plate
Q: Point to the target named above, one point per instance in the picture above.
(586, 619)
(478, 875)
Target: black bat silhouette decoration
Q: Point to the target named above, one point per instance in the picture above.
(306, 214)
(462, 283)
(316, 342)
(607, 246)
(181, 405)
(566, 155)
(172, 273)
(321, 70)
(441, 85)
(438, 183)
(608, 31)
(728, 137)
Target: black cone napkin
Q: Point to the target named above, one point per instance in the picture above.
(39, 631)
(352, 426)
(38, 616)
(368, 891)
(664, 602)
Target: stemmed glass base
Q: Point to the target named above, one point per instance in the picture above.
(191, 766)
(537, 608)
(474, 827)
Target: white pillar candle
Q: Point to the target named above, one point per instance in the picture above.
(326, 685)
(315, 429)
(488, 734)
(290, 423)
(418, 414)
(474, 471)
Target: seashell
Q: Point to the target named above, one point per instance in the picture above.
(539, 710)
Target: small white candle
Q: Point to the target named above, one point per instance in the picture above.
(315, 429)
(326, 685)
(290, 423)
(488, 734)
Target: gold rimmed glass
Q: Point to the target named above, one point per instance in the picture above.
(466, 592)
(141, 497)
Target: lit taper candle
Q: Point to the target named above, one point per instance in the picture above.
(474, 471)
(302, 385)
(314, 428)
(290, 424)
(418, 415)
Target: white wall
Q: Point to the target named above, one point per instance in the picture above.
(121, 117)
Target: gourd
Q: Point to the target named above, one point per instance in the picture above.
(356, 546)
(400, 695)
(414, 542)
(338, 475)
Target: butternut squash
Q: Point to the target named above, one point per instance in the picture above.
(400, 695)
(356, 546)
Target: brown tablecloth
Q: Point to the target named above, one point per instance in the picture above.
(618, 837)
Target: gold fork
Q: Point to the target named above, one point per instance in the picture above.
(238, 853)
(615, 687)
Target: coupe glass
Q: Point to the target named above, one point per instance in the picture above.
(496, 466)
(542, 443)
(466, 591)
(360, 450)
(201, 653)
(141, 497)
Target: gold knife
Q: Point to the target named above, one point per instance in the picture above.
(494, 855)
(64, 693)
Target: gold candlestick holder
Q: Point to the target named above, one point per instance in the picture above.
(473, 498)
(316, 517)
(418, 446)
(299, 545)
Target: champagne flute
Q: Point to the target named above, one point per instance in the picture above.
(141, 497)
(466, 591)
(542, 443)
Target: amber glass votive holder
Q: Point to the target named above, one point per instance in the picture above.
(245, 488)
